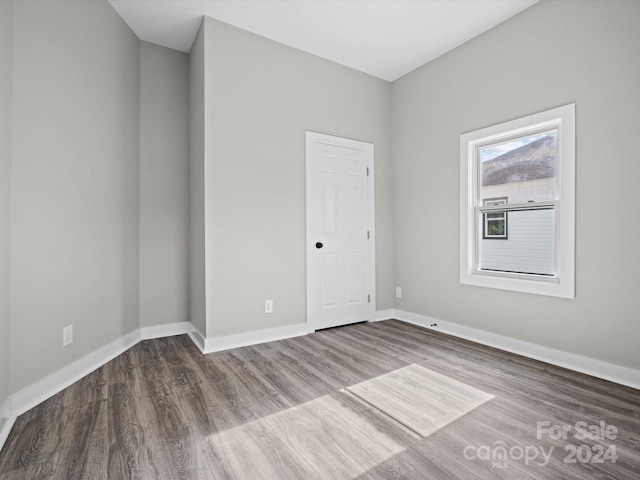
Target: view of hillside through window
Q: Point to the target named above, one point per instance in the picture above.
(522, 170)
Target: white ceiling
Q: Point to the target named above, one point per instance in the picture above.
(385, 38)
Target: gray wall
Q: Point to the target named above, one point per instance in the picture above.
(196, 185)
(260, 97)
(5, 172)
(74, 199)
(552, 54)
(164, 185)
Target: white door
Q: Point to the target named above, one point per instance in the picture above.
(340, 245)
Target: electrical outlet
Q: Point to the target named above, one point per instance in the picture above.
(398, 292)
(67, 335)
(268, 306)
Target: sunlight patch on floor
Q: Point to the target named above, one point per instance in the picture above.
(420, 399)
(318, 439)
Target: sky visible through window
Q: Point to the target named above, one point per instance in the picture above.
(490, 153)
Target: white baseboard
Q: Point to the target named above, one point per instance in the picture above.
(590, 366)
(227, 342)
(168, 330)
(27, 398)
(384, 315)
(39, 391)
(7, 419)
(197, 337)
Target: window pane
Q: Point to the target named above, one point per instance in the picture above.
(495, 228)
(529, 247)
(522, 169)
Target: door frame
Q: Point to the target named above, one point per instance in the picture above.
(315, 137)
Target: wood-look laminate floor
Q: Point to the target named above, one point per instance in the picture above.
(283, 410)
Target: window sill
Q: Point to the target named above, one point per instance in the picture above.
(516, 282)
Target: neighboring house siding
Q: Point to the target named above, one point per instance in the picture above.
(529, 247)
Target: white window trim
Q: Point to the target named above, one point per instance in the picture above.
(563, 283)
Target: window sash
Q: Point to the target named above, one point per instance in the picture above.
(516, 207)
(500, 218)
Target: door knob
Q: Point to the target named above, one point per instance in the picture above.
(319, 245)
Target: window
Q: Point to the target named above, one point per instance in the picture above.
(495, 223)
(517, 204)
